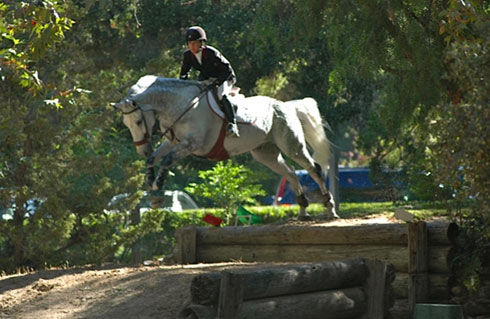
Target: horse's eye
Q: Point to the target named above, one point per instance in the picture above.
(139, 122)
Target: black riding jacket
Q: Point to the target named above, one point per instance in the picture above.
(214, 65)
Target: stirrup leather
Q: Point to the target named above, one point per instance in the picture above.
(232, 129)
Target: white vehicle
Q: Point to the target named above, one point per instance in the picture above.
(175, 201)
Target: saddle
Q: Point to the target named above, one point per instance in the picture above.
(218, 152)
(217, 107)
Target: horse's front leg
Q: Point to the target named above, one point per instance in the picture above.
(168, 154)
(150, 177)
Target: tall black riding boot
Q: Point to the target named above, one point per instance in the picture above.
(232, 128)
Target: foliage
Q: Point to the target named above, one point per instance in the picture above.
(405, 80)
(28, 32)
(30, 35)
(460, 131)
(228, 185)
(392, 68)
(460, 123)
(52, 147)
(472, 254)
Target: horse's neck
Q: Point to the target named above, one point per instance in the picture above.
(171, 104)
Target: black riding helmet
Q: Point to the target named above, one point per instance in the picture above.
(195, 33)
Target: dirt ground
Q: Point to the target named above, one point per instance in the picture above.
(89, 293)
(143, 292)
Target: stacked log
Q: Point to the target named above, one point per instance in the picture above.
(341, 289)
(289, 243)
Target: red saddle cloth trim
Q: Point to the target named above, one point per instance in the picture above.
(218, 152)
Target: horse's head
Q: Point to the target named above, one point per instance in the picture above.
(140, 120)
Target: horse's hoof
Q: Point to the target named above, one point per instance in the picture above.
(332, 216)
(305, 218)
(156, 202)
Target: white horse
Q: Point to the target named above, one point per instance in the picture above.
(268, 129)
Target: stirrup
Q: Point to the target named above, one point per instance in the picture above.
(232, 130)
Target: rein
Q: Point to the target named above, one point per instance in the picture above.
(188, 108)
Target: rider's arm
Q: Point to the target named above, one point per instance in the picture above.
(224, 71)
(186, 66)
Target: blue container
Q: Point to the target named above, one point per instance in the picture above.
(437, 311)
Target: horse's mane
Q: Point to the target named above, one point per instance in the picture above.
(152, 82)
(156, 90)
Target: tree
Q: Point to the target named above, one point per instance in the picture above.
(389, 66)
(29, 105)
(460, 132)
(405, 79)
(61, 63)
(52, 147)
(459, 124)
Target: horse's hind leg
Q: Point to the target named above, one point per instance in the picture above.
(299, 153)
(270, 156)
(327, 198)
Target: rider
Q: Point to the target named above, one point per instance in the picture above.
(214, 68)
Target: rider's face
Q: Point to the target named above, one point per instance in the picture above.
(194, 46)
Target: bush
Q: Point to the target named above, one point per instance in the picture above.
(228, 185)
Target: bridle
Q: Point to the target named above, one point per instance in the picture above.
(150, 173)
(147, 137)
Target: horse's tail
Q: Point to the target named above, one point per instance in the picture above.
(313, 126)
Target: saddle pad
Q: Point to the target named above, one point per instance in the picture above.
(246, 112)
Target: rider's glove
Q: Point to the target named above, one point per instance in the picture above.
(209, 84)
(212, 85)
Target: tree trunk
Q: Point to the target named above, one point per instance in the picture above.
(136, 251)
(18, 236)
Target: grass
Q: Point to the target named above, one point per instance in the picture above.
(421, 210)
(280, 214)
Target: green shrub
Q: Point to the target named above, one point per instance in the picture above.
(228, 185)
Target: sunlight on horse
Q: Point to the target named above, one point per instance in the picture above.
(268, 129)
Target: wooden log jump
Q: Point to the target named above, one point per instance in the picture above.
(341, 289)
(418, 251)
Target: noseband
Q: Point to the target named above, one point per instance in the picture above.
(147, 137)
